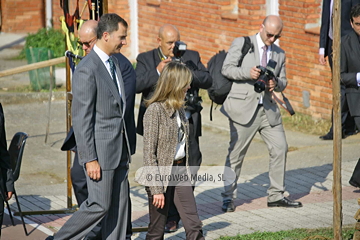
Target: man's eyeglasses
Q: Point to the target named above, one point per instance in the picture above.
(87, 44)
(268, 35)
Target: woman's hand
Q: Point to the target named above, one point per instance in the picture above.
(159, 200)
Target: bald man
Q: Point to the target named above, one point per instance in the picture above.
(149, 66)
(250, 112)
(87, 35)
(87, 39)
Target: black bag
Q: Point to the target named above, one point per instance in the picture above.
(355, 178)
(221, 85)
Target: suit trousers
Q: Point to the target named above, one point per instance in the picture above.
(240, 139)
(184, 200)
(108, 201)
(195, 158)
(2, 206)
(78, 179)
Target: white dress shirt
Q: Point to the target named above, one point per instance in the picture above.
(104, 58)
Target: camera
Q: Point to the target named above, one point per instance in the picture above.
(265, 75)
(179, 50)
(191, 99)
(193, 102)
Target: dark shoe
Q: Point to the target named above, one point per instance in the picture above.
(327, 136)
(171, 226)
(50, 238)
(285, 202)
(228, 206)
(354, 184)
(351, 133)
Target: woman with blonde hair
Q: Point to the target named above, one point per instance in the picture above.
(166, 130)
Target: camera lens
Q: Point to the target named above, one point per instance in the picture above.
(259, 86)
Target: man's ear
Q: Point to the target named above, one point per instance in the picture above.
(159, 41)
(106, 36)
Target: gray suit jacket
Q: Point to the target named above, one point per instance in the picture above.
(242, 101)
(350, 55)
(98, 113)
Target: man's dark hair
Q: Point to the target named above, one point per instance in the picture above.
(355, 12)
(109, 22)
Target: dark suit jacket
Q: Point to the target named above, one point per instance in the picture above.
(147, 77)
(350, 66)
(6, 177)
(346, 6)
(129, 78)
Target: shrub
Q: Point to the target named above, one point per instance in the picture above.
(47, 38)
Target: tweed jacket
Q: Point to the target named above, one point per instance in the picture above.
(160, 141)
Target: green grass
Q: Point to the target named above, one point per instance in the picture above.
(296, 234)
(305, 123)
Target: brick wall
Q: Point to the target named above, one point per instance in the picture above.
(211, 25)
(22, 16)
(304, 72)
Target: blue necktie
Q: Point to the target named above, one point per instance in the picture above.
(113, 73)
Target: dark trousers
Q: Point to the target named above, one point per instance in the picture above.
(357, 121)
(195, 159)
(2, 205)
(347, 122)
(184, 200)
(78, 178)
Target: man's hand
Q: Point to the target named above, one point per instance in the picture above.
(9, 195)
(255, 73)
(162, 64)
(159, 200)
(93, 170)
(322, 59)
(271, 85)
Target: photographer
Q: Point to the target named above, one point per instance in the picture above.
(149, 66)
(251, 110)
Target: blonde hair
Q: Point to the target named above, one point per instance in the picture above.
(170, 86)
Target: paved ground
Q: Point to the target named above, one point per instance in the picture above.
(42, 183)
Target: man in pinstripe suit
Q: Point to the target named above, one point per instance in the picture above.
(102, 144)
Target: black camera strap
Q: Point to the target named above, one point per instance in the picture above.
(285, 103)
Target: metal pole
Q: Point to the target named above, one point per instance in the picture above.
(337, 194)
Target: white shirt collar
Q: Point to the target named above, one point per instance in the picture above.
(261, 43)
(102, 55)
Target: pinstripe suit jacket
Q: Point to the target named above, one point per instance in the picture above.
(98, 113)
(242, 101)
